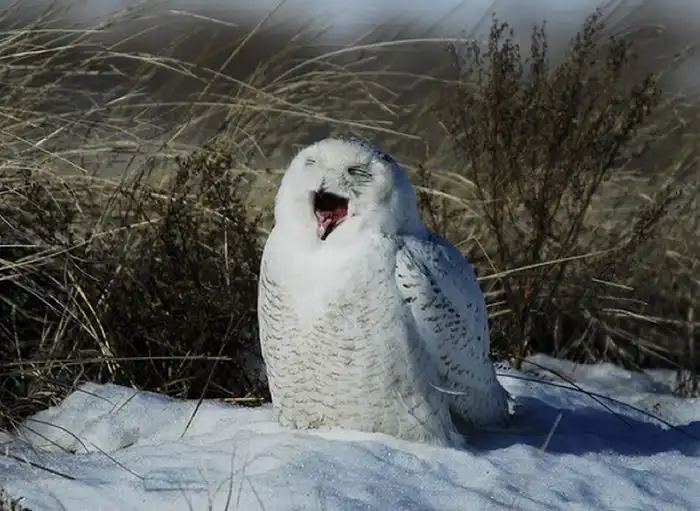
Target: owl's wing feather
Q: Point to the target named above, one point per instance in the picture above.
(439, 287)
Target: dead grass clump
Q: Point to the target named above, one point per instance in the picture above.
(153, 287)
(540, 146)
(195, 271)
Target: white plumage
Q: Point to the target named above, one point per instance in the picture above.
(369, 321)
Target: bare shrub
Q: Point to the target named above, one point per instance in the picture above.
(539, 144)
(162, 297)
(185, 290)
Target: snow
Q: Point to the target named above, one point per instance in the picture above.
(122, 449)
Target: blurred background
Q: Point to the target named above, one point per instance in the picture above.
(339, 23)
(236, 38)
(344, 21)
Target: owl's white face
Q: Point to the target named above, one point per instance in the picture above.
(338, 189)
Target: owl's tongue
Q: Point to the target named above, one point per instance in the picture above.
(326, 219)
(330, 211)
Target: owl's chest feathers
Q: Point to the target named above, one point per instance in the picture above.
(336, 282)
(344, 308)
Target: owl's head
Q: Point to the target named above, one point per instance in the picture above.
(341, 188)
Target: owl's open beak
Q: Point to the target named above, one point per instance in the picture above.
(330, 211)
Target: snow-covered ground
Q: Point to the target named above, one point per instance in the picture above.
(114, 448)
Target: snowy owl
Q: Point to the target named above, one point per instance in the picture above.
(368, 320)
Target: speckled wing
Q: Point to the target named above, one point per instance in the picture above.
(440, 289)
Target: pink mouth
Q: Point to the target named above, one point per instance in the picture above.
(330, 212)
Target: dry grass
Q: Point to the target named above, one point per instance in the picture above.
(133, 212)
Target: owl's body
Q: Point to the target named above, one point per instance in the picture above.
(368, 321)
